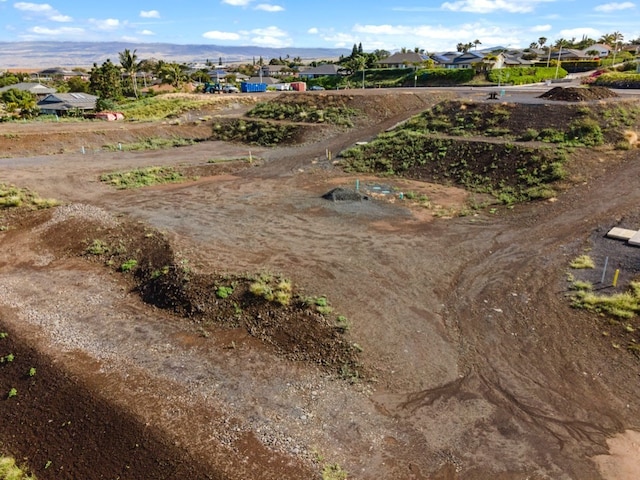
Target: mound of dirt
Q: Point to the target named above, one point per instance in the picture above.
(270, 309)
(344, 194)
(578, 94)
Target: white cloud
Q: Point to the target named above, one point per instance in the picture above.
(237, 3)
(540, 28)
(61, 18)
(614, 6)
(270, 37)
(42, 9)
(313, 31)
(217, 35)
(488, 6)
(105, 24)
(150, 14)
(146, 32)
(433, 38)
(265, 7)
(273, 42)
(57, 31)
(579, 32)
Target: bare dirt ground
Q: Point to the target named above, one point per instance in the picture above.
(476, 365)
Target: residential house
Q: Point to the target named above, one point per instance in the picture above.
(403, 60)
(459, 60)
(60, 73)
(64, 103)
(512, 60)
(567, 54)
(602, 49)
(39, 90)
(276, 71)
(267, 80)
(324, 70)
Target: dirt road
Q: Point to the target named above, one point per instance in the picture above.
(480, 368)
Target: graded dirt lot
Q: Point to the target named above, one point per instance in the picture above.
(473, 364)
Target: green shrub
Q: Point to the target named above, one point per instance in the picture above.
(551, 135)
(586, 131)
(529, 135)
(524, 75)
(257, 132)
(298, 112)
(129, 265)
(9, 470)
(142, 177)
(224, 292)
(98, 247)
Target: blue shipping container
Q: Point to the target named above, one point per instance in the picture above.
(246, 87)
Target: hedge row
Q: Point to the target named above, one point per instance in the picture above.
(524, 75)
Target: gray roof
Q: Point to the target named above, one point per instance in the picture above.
(324, 69)
(264, 79)
(35, 88)
(68, 101)
(400, 58)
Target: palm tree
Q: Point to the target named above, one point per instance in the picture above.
(542, 41)
(173, 73)
(477, 42)
(359, 63)
(130, 65)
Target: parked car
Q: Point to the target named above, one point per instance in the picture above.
(230, 89)
(316, 87)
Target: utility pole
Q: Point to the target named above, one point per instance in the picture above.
(558, 64)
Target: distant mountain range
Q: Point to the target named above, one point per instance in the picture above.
(85, 54)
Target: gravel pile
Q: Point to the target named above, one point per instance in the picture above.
(82, 212)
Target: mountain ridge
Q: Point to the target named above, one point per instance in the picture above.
(85, 54)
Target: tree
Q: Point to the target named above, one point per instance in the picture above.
(105, 81)
(611, 39)
(173, 73)
(77, 84)
(380, 54)
(585, 42)
(542, 41)
(19, 102)
(201, 76)
(360, 50)
(130, 66)
(477, 42)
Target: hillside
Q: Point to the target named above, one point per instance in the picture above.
(73, 54)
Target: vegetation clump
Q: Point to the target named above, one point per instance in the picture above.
(272, 289)
(10, 471)
(624, 305)
(11, 196)
(258, 132)
(582, 262)
(301, 112)
(142, 177)
(151, 143)
(509, 172)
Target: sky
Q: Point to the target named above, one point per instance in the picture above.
(437, 25)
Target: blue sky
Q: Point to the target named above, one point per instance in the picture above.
(388, 24)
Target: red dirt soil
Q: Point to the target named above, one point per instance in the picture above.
(475, 365)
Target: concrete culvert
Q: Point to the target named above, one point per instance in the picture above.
(344, 194)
